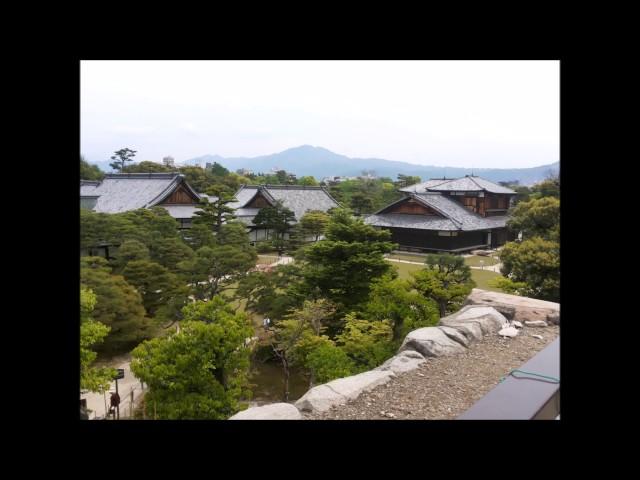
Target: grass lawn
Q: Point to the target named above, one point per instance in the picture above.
(481, 277)
(408, 257)
(474, 261)
(267, 259)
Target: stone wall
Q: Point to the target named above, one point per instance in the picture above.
(485, 313)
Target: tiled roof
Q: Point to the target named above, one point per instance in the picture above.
(297, 198)
(456, 216)
(122, 192)
(464, 184)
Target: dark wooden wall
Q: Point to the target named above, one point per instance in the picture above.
(180, 196)
(411, 207)
(430, 239)
(257, 202)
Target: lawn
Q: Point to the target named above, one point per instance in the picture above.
(408, 257)
(481, 277)
(267, 259)
(474, 261)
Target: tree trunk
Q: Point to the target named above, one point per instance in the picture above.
(443, 309)
(285, 366)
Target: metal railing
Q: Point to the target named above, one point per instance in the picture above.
(532, 392)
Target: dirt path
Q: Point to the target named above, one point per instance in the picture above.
(445, 387)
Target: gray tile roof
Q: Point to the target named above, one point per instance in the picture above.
(422, 187)
(401, 220)
(456, 216)
(464, 184)
(129, 191)
(297, 198)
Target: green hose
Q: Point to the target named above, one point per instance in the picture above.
(555, 380)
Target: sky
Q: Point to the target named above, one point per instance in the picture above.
(484, 114)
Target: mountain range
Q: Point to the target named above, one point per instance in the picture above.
(320, 162)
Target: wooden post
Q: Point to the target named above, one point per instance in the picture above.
(131, 406)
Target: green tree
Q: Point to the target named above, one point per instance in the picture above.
(200, 372)
(274, 293)
(119, 306)
(214, 268)
(94, 379)
(218, 170)
(170, 251)
(308, 181)
(549, 187)
(361, 203)
(328, 362)
(146, 167)
(130, 250)
(446, 280)
(535, 262)
(314, 222)
(277, 218)
(342, 266)
(89, 171)
(536, 218)
(120, 158)
(406, 180)
(395, 300)
(156, 284)
(213, 213)
(367, 342)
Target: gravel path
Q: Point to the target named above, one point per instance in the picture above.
(445, 387)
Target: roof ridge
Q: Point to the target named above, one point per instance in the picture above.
(483, 188)
(144, 175)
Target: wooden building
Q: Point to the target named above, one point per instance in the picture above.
(297, 198)
(448, 215)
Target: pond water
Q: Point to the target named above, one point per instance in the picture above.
(268, 381)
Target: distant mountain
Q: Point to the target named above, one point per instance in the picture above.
(320, 162)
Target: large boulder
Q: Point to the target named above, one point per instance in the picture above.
(488, 319)
(431, 342)
(553, 318)
(526, 309)
(273, 411)
(456, 335)
(322, 397)
(403, 362)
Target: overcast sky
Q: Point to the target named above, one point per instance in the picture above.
(470, 114)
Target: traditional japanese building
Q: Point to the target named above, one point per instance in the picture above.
(299, 199)
(448, 215)
(121, 192)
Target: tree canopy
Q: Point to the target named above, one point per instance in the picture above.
(93, 379)
(198, 373)
(446, 280)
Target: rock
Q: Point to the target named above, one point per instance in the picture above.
(323, 397)
(456, 335)
(516, 323)
(540, 337)
(471, 331)
(319, 399)
(508, 332)
(526, 309)
(431, 342)
(488, 318)
(483, 253)
(536, 323)
(274, 411)
(403, 362)
(554, 318)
